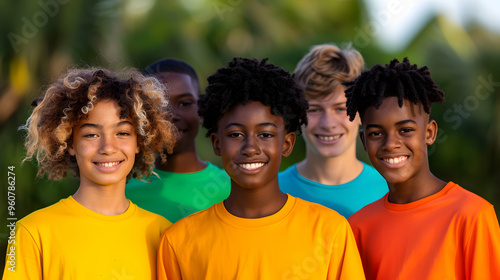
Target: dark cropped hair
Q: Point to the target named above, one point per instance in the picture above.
(403, 80)
(248, 79)
(172, 65)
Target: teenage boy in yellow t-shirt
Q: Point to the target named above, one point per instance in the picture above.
(251, 109)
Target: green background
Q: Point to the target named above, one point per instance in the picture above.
(39, 42)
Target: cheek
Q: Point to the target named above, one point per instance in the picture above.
(312, 121)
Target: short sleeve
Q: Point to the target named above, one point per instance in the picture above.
(23, 258)
(345, 262)
(167, 264)
(482, 248)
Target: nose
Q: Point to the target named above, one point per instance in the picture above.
(392, 142)
(107, 145)
(175, 114)
(250, 146)
(328, 120)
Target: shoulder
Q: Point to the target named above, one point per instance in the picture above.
(196, 221)
(369, 212)
(147, 215)
(371, 173)
(292, 169)
(315, 211)
(467, 202)
(45, 215)
(212, 172)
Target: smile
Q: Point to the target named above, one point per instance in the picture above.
(251, 166)
(396, 159)
(108, 164)
(328, 138)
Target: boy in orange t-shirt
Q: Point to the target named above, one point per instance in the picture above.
(424, 228)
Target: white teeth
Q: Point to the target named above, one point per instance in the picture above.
(395, 160)
(251, 166)
(107, 164)
(328, 138)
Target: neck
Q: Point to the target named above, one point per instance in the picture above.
(186, 161)
(332, 170)
(106, 200)
(252, 204)
(414, 189)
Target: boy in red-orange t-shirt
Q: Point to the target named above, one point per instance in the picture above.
(424, 228)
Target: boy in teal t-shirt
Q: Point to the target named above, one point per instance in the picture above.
(331, 174)
(186, 184)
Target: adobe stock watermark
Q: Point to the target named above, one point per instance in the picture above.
(395, 10)
(30, 26)
(460, 111)
(223, 6)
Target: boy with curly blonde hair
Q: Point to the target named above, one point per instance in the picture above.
(106, 130)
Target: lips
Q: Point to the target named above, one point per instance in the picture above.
(251, 166)
(395, 161)
(328, 138)
(107, 164)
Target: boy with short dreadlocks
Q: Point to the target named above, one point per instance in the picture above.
(424, 228)
(251, 110)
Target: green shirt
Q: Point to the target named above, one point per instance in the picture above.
(177, 195)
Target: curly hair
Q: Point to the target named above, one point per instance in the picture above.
(402, 80)
(324, 69)
(175, 66)
(67, 100)
(248, 79)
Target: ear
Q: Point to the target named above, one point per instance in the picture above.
(71, 150)
(288, 144)
(357, 119)
(214, 138)
(362, 137)
(137, 149)
(431, 132)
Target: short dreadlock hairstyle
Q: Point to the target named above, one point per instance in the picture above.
(248, 79)
(402, 80)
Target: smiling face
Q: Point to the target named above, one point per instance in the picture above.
(183, 95)
(396, 139)
(104, 146)
(251, 142)
(329, 132)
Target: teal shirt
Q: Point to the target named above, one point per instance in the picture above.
(344, 198)
(177, 195)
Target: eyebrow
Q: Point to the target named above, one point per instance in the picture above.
(186, 94)
(260, 124)
(403, 122)
(318, 103)
(98, 126)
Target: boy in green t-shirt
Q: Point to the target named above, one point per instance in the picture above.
(186, 184)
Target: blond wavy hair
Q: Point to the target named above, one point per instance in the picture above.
(67, 100)
(324, 69)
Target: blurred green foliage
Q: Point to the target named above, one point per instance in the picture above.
(40, 41)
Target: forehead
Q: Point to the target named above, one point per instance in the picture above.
(390, 110)
(251, 113)
(337, 96)
(178, 83)
(103, 112)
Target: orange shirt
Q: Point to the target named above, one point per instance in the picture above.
(453, 234)
(303, 240)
